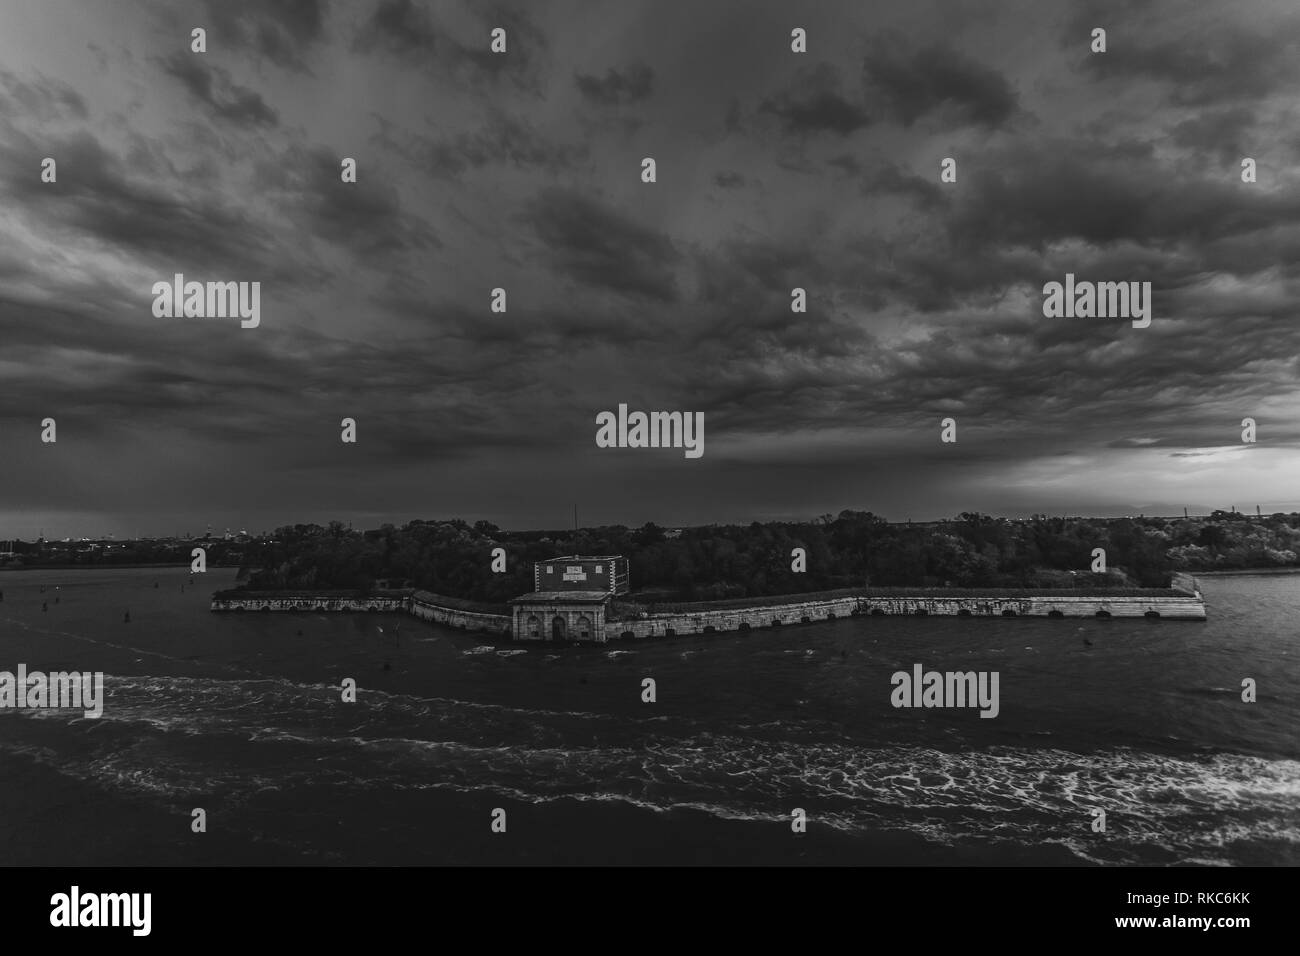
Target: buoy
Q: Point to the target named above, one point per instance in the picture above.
(155, 585)
(126, 618)
(45, 605)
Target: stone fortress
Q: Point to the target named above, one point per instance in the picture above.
(575, 599)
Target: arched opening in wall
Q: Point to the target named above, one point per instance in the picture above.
(921, 612)
(709, 629)
(776, 622)
(627, 635)
(1007, 612)
(558, 628)
(830, 615)
(584, 628)
(670, 632)
(1103, 613)
(371, 608)
(963, 612)
(265, 607)
(744, 626)
(239, 609)
(534, 626)
(877, 612)
(856, 612)
(805, 619)
(1152, 615)
(1055, 613)
(506, 631)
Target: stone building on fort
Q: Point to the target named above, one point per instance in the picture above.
(570, 598)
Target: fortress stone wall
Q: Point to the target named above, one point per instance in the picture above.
(1183, 601)
(1190, 607)
(419, 607)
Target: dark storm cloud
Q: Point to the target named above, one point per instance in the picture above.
(816, 104)
(366, 216)
(1043, 191)
(100, 196)
(1020, 373)
(939, 79)
(774, 264)
(124, 366)
(1222, 134)
(279, 30)
(501, 140)
(599, 246)
(42, 99)
(407, 29)
(244, 388)
(923, 297)
(1226, 59)
(517, 351)
(228, 101)
(402, 26)
(617, 87)
(887, 179)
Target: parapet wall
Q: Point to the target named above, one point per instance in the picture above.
(1186, 606)
(308, 604)
(424, 610)
(468, 620)
(1190, 607)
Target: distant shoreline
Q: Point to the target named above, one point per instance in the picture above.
(110, 567)
(1227, 572)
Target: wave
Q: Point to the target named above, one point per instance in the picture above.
(177, 737)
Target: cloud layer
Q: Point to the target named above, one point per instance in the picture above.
(522, 171)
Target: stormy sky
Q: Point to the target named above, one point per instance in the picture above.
(523, 171)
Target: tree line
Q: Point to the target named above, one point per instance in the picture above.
(716, 562)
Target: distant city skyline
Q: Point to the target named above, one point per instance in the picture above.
(776, 171)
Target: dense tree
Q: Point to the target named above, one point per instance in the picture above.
(853, 549)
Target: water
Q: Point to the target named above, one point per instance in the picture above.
(242, 716)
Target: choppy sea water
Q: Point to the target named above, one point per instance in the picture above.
(242, 715)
